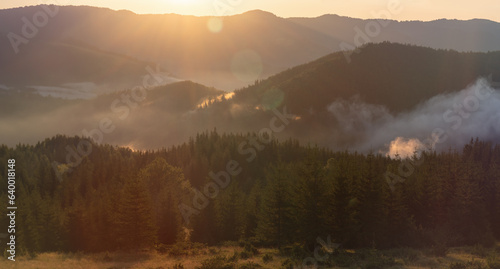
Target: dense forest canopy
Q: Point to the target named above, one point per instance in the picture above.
(227, 187)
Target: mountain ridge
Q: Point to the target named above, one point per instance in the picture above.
(382, 83)
(243, 48)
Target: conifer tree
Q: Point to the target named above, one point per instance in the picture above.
(135, 217)
(167, 187)
(494, 188)
(276, 223)
(340, 198)
(368, 205)
(309, 197)
(229, 211)
(252, 209)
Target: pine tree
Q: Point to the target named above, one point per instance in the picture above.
(340, 215)
(229, 211)
(204, 225)
(468, 215)
(76, 235)
(309, 197)
(167, 188)
(135, 226)
(51, 229)
(276, 223)
(28, 224)
(368, 205)
(494, 188)
(252, 209)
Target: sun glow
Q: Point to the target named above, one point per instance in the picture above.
(131, 146)
(210, 100)
(183, 2)
(186, 7)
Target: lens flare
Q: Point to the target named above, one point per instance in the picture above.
(215, 24)
(246, 65)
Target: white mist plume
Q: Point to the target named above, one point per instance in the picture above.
(406, 147)
(444, 121)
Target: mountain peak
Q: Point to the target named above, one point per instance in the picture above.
(258, 12)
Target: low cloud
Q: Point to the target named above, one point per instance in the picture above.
(70, 91)
(445, 121)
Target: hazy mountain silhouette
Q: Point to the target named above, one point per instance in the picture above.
(341, 104)
(232, 53)
(389, 74)
(471, 35)
(59, 65)
(249, 46)
(328, 101)
(133, 113)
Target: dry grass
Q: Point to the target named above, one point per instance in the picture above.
(144, 260)
(154, 260)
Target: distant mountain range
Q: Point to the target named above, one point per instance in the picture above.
(387, 90)
(101, 50)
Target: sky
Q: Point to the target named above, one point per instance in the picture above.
(425, 10)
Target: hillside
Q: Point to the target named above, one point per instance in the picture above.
(241, 49)
(396, 76)
(285, 197)
(139, 114)
(470, 35)
(249, 140)
(249, 46)
(69, 69)
(387, 91)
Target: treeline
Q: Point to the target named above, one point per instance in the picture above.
(283, 193)
(409, 74)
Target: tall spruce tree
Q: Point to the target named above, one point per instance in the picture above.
(340, 220)
(276, 224)
(167, 187)
(229, 212)
(310, 200)
(136, 227)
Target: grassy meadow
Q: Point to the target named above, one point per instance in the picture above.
(233, 256)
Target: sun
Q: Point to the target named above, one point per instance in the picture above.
(188, 7)
(183, 2)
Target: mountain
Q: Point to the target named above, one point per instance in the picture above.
(70, 70)
(396, 76)
(228, 53)
(27, 116)
(386, 91)
(470, 35)
(249, 46)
